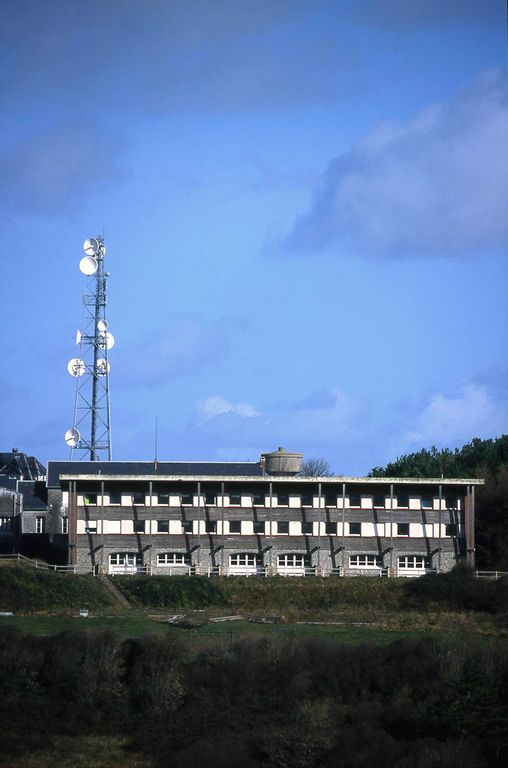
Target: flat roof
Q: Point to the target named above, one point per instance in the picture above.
(272, 478)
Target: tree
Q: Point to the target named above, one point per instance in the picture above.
(315, 467)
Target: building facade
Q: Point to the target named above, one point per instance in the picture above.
(257, 518)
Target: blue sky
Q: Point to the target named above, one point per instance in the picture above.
(305, 212)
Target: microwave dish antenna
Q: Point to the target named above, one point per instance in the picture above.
(72, 438)
(91, 246)
(88, 265)
(90, 435)
(76, 367)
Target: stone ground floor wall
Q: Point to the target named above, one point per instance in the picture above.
(298, 555)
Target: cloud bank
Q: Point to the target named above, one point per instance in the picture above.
(453, 421)
(434, 185)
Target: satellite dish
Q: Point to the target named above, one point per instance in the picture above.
(91, 246)
(88, 265)
(72, 438)
(107, 339)
(76, 367)
(102, 325)
(78, 337)
(102, 367)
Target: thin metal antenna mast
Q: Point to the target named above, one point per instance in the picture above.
(91, 368)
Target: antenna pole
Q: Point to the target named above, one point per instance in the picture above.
(91, 369)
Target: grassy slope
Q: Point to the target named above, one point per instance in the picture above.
(452, 602)
(27, 589)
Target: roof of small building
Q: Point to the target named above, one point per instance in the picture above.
(17, 464)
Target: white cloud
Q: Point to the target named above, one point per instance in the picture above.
(433, 185)
(452, 421)
(215, 405)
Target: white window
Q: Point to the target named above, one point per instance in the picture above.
(125, 562)
(65, 525)
(365, 561)
(291, 561)
(40, 524)
(411, 562)
(243, 559)
(172, 558)
(90, 526)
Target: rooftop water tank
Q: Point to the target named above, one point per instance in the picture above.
(282, 462)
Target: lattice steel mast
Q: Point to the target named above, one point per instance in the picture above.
(91, 367)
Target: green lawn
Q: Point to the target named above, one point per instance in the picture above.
(138, 625)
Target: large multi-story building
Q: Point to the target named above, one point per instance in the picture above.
(243, 518)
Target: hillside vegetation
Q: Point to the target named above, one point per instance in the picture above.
(277, 703)
(486, 459)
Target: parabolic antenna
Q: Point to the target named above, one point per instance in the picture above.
(91, 246)
(88, 265)
(76, 367)
(72, 438)
(107, 339)
(102, 367)
(102, 325)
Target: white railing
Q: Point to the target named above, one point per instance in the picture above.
(41, 565)
(490, 574)
(246, 570)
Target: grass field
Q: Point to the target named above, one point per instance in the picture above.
(347, 628)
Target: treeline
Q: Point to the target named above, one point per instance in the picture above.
(486, 459)
(273, 703)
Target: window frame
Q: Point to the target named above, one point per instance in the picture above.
(403, 529)
(376, 564)
(403, 562)
(178, 558)
(250, 560)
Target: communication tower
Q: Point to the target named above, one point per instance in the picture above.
(90, 435)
